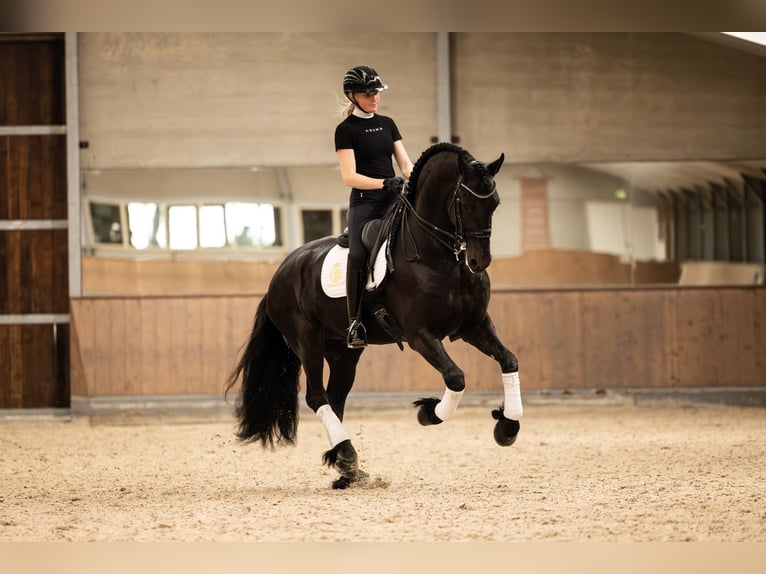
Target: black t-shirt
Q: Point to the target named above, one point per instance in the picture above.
(372, 140)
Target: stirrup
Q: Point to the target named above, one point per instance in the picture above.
(356, 335)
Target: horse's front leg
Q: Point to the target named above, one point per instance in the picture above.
(433, 411)
(484, 337)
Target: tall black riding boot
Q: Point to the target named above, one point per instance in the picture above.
(356, 335)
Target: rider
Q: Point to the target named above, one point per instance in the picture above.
(365, 142)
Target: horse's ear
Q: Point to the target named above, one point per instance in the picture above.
(494, 167)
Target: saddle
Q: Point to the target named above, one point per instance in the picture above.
(377, 232)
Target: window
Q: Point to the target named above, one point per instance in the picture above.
(146, 226)
(186, 227)
(182, 224)
(106, 223)
(212, 226)
(252, 225)
(730, 227)
(318, 223)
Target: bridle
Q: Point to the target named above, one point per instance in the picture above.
(456, 241)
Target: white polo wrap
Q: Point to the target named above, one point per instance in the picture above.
(446, 407)
(512, 408)
(336, 434)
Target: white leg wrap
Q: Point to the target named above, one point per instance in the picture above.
(446, 407)
(512, 408)
(336, 434)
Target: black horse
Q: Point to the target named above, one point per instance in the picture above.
(436, 287)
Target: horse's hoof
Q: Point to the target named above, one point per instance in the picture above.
(506, 430)
(343, 482)
(427, 411)
(346, 460)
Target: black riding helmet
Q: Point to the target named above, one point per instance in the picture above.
(362, 79)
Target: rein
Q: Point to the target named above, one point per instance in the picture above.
(455, 241)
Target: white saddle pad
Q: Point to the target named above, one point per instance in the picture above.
(334, 271)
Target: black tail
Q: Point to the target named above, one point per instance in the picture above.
(267, 405)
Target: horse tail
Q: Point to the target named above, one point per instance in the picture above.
(267, 404)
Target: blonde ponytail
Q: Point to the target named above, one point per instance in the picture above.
(345, 108)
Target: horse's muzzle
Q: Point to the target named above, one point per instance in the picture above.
(477, 259)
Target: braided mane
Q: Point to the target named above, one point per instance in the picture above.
(423, 159)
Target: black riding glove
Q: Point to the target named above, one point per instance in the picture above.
(394, 184)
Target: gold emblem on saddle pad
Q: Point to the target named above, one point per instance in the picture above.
(336, 273)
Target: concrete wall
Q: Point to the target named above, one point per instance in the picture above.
(180, 184)
(239, 100)
(569, 97)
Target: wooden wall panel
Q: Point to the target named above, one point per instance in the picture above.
(116, 331)
(6, 199)
(758, 322)
(33, 177)
(565, 339)
(107, 276)
(154, 320)
(728, 323)
(696, 316)
(33, 272)
(180, 337)
(157, 346)
(215, 326)
(11, 387)
(34, 368)
(562, 346)
(32, 82)
(31, 358)
(79, 346)
(136, 368)
(737, 309)
(625, 338)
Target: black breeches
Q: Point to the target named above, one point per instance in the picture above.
(363, 207)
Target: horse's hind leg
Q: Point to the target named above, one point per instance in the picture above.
(342, 457)
(484, 337)
(329, 406)
(342, 362)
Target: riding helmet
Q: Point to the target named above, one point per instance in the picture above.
(362, 79)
